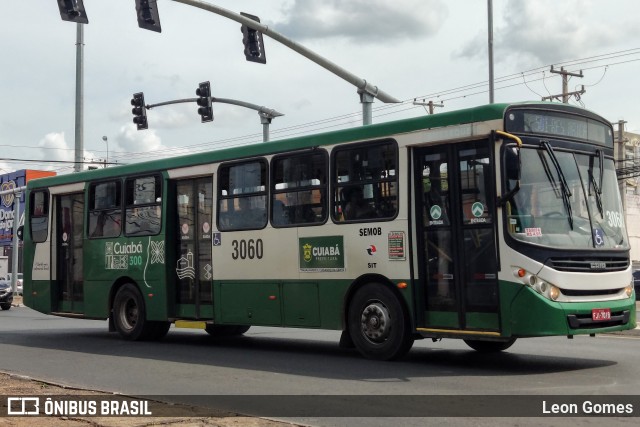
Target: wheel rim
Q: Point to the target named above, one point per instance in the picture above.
(129, 314)
(375, 322)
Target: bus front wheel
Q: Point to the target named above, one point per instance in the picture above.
(378, 324)
(129, 316)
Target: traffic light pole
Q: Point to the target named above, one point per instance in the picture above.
(366, 90)
(266, 114)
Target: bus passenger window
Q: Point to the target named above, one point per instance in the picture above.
(105, 213)
(39, 216)
(143, 206)
(242, 196)
(365, 182)
(299, 188)
(356, 207)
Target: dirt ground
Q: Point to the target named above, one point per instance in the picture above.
(13, 385)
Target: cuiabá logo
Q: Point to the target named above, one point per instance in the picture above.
(306, 249)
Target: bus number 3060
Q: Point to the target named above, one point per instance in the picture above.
(247, 249)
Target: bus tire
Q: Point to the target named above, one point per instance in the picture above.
(157, 330)
(378, 324)
(489, 346)
(129, 314)
(226, 330)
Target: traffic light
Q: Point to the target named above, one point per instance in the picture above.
(73, 10)
(148, 17)
(204, 102)
(253, 43)
(139, 111)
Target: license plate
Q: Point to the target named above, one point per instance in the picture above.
(600, 314)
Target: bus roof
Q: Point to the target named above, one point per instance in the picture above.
(380, 130)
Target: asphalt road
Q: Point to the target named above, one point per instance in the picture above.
(189, 365)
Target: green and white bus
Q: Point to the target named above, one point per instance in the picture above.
(486, 224)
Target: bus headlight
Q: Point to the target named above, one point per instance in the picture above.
(542, 287)
(629, 291)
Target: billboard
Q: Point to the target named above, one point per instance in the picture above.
(9, 181)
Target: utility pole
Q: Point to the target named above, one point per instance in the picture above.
(565, 86)
(490, 37)
(621, 163)
(429, 104)
(79, 146)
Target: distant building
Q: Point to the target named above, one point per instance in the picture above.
(630, 188)
(9, 181)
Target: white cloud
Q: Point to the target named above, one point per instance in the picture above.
(366, 21)
(129, 139)
(55, 147)
(544, 32)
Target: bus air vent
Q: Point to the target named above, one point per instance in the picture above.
(591, 264)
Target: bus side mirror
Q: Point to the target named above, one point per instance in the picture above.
(512, 170)
(512, 163)
(20, 232)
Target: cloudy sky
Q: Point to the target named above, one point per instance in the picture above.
(425, 49)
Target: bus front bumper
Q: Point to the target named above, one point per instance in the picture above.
(534, 315)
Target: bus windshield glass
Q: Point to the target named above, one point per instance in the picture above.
(573, 206)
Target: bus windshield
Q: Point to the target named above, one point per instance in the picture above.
(567, 200)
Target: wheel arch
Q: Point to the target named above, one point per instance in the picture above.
(115, 287)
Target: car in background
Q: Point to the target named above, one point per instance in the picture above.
(636, 282)
(6, 295)
(18, 282)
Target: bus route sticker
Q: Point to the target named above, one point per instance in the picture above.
(321, 254)
(533, 232)
(396, 246)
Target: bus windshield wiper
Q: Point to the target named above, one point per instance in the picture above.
(564, 187)
(592, 180)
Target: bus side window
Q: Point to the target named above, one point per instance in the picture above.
(143, 197)
(365, 182)
(299, 189)
(105, 213)
(242, 195)
(39, 216)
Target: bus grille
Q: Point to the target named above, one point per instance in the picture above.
(589, 264)
(590, 292)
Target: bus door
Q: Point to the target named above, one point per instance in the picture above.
(69, 234)
(194, 269)
(457, 260)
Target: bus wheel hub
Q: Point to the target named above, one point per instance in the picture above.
(375, 322)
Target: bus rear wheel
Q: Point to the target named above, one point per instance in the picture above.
(129, 316)
(378, 324)
(489, 346)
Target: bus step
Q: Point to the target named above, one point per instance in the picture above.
(191, 324)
